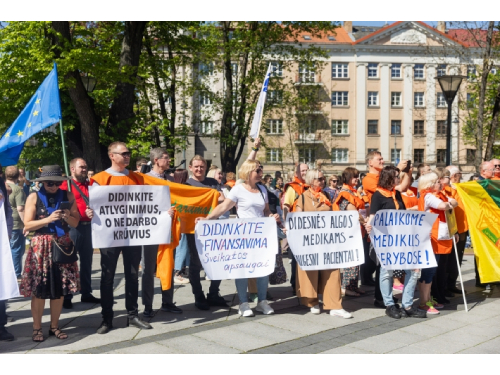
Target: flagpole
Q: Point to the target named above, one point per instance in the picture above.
(460, 274)
(64, 152)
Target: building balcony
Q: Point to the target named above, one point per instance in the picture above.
(307, 138)
(302, 80)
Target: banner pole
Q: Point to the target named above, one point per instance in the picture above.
(460, 274)
(61, 129)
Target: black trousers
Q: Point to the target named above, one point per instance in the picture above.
(195, 269)
(439, 281)
(109, 259)
(150, 254)
(452, 262)
(369, 266)
(82, 238)
(3, 314)
(378, 293)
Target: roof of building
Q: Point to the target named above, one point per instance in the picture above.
(359, 32)
(340, 36)
(470, 37)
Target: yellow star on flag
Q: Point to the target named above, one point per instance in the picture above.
(19, 133)
(29, 125)
(35, 113)
(7, 135)
(37, 101)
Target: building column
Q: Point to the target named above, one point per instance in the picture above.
(360, 151)
(385, 110)
(407, 149)
(430, 111)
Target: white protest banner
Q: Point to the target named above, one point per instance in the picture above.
(237, 248)
(8, 280)
(325, 240)
(130, 215)
(402, 239)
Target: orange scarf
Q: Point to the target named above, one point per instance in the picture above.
(319, 196)
(389, 193)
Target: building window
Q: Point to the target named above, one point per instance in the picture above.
(207, 127)
(396, 71)
(471, 98)
(306, 73)
(418, 128)
(418, 99)
(340, 70)
(340, 127)
(418, 155)
(372, 70)
(207, 69)
(340, 155)
(372, 149)
(396, 99)
(395, 155)
(307, 155)
(471, 155)
(234, 69)
(441, 156)
(274, 96)
(274, 155)
(276, 69)
(372, 98)
(441, 70)
(441, 101)
(471, 72)
(307, 126)
(275, 126)
(372, 126)
(418, 71)
(340, 98)
(396, 127)
(442, 128)
(205, 98)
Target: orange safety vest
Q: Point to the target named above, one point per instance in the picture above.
(438, 246)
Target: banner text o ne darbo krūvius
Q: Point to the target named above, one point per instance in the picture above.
(130, 215)
(237, 248)
(402, 239)
(325, 240)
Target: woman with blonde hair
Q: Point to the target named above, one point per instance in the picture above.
(251, 201)
(325, 282)
(215, 173)
(433, 200)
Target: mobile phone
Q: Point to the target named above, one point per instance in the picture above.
(66, 205)
(408, 166)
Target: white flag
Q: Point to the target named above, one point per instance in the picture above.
(8, 280)
(257, 118)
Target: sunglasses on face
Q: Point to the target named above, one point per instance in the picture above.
(333, 180)
(259, 170)
(53, 183)
(125, 154)
(321, 179)
(497, 165)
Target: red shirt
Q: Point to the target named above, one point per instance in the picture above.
(80, 203)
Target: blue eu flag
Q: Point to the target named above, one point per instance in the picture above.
(42, 111)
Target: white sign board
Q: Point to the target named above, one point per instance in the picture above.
(402, 239)
(237, 248)
(130, 215)
(325, 240)
(8, 280)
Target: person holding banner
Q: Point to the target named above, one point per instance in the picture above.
(325, 282)
(252, 202)
(348, 199)
(42, 278)
(433, 200)
(386, 197)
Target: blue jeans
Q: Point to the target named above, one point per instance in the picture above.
(18, 246)
(242, 287)
(182, 254)
(386, 287)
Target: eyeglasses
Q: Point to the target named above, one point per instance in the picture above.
(52, 183)
(333, 180)
(397, 176)
(259, 170)
(497, 165)
(321, 179)
(125, 154)
(165, 158)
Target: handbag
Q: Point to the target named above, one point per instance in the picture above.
(279, 274)
(63, 253)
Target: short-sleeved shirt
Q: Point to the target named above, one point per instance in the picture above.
(290, 195)
(379, 202)
(370, 184)
(17, 198)
(249, 204)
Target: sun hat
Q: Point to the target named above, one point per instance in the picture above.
(51, 173)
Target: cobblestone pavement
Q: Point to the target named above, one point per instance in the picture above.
(293, 329)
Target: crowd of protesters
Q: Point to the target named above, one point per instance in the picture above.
(34, 207)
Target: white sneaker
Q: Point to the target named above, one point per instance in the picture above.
(341, 313)
(315, 310)
(264, 308)
(180, 280)
(245, 310)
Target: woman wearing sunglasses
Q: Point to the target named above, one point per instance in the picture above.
(251, 201)
(326, 282)
(42, 279)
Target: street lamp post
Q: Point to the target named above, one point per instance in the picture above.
(449, 85)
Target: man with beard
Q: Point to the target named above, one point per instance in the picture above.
(82, 234)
